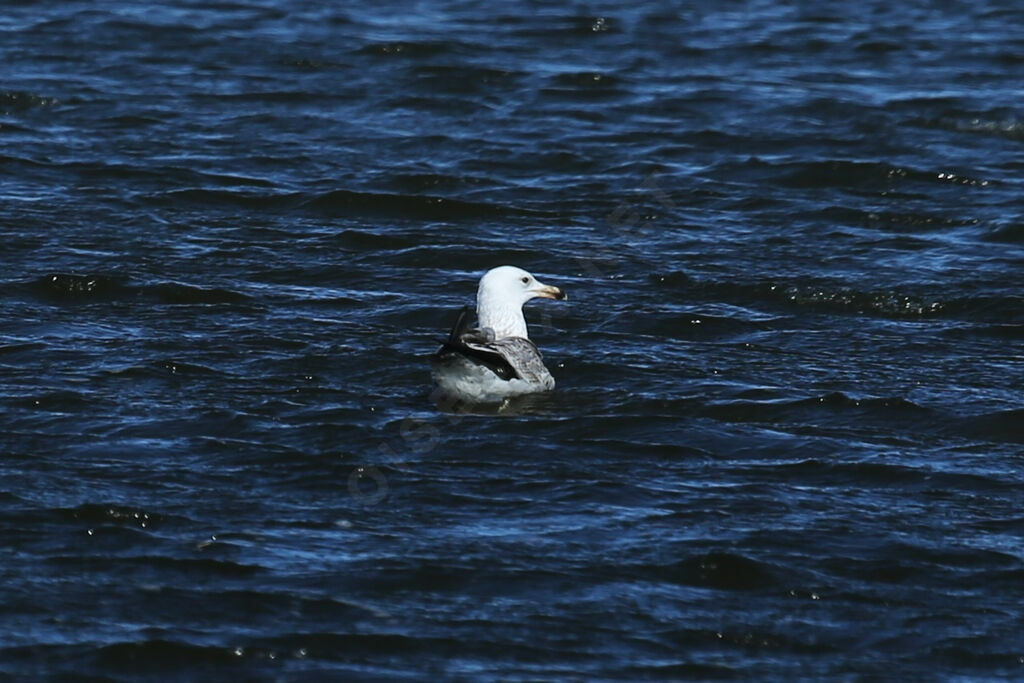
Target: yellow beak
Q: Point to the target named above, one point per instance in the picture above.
(550, 292)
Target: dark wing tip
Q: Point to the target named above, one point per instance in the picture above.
(474, 348)
(461, 323)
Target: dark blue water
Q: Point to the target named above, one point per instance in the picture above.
(788, 435)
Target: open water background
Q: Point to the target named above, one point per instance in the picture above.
(788, 435)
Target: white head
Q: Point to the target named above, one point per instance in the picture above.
(500, 299)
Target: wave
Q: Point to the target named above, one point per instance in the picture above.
(837, 407)
(263, 201)
(181, 294)
(956, 114)
(70, 287)
(844, 174)
(465, 79)
(58, 401)
(347, 202)
(1007, 128)
(412, 49)
(999, 426)
(12, 100)
(585, 84)
(208, 566)
(718, 570)
(837, 297)
(894, 221)
(162, 368)
(1010, 233)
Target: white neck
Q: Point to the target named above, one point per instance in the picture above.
(504, 317)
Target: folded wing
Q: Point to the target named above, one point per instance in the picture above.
(508, 358)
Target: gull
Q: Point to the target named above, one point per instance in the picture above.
(496, 359)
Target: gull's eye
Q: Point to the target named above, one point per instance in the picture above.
(526, 280)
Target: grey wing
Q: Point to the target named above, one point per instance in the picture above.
(524, 358)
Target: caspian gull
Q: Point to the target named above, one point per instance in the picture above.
(496, 359)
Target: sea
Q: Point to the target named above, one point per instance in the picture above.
(787, 437)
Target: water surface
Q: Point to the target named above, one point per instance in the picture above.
(786, 440)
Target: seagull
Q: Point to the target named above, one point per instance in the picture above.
(496, 359)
